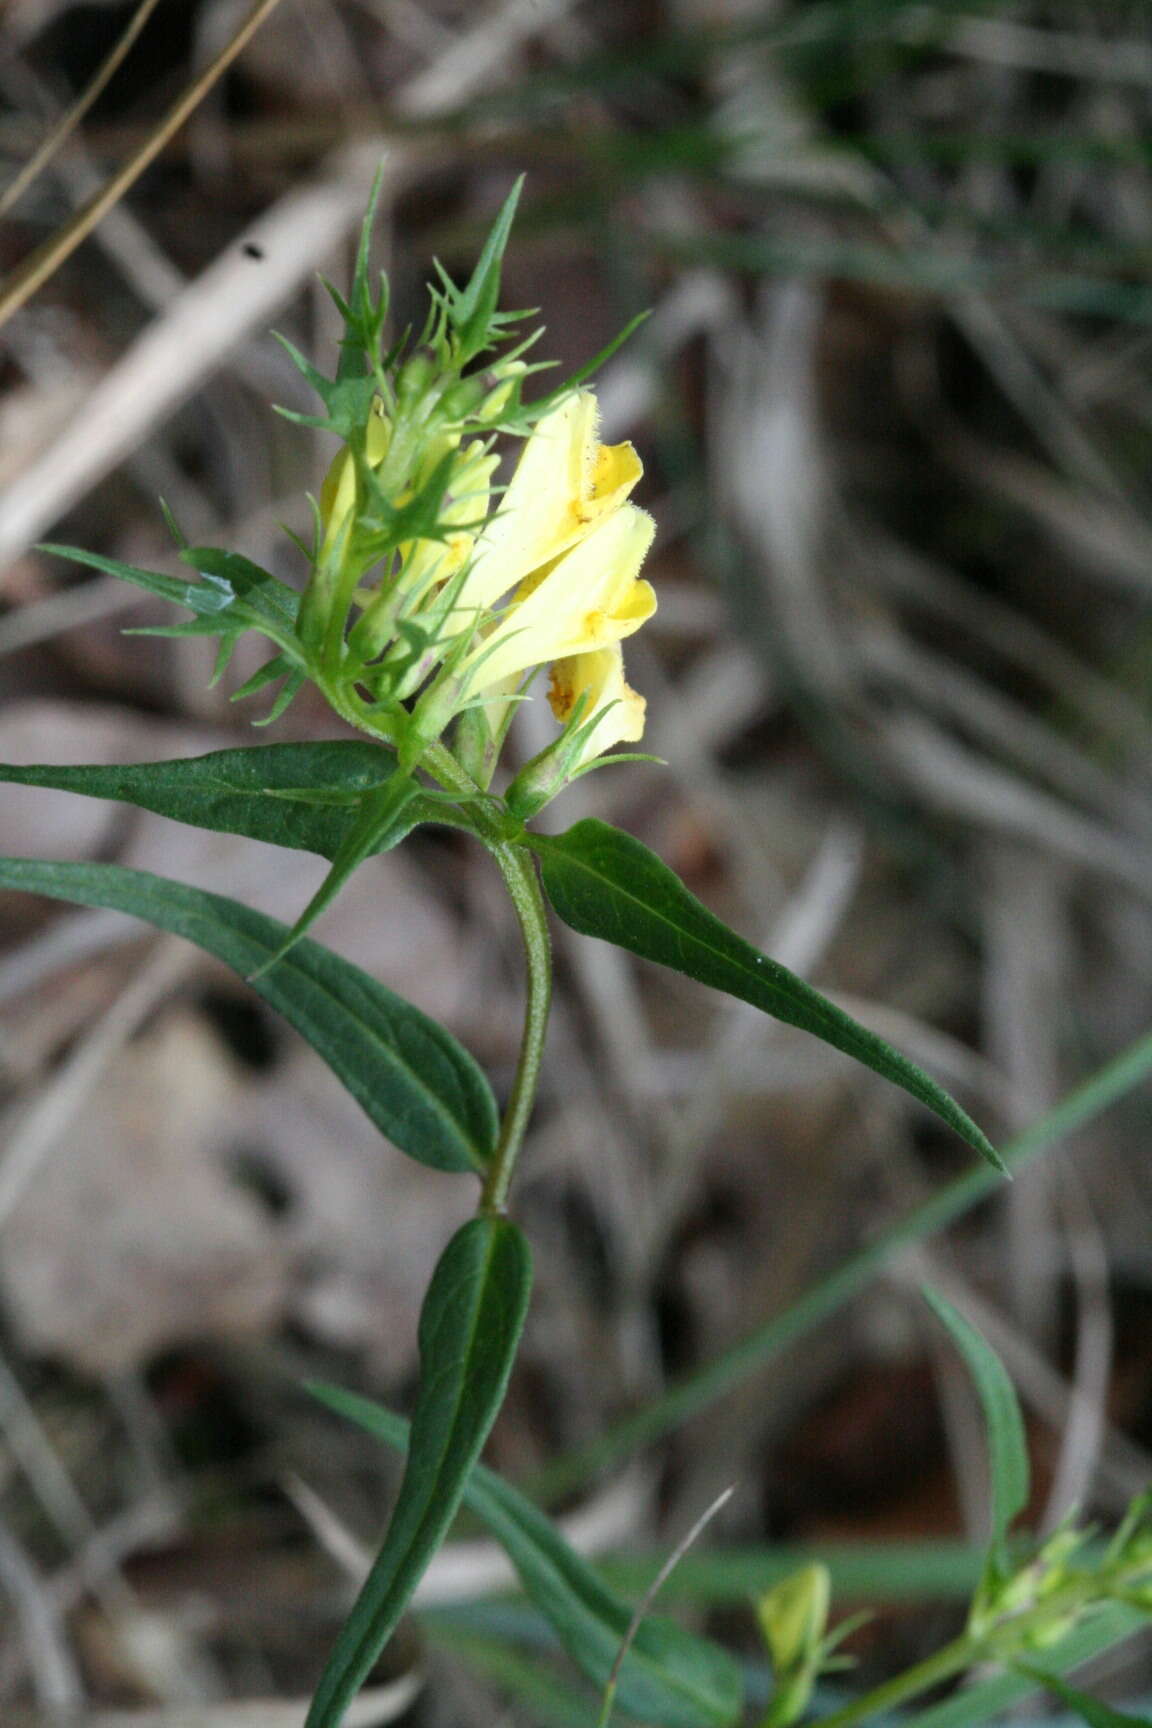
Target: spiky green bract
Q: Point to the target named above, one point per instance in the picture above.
(470, 1325)
(232, 596)
(472, 322)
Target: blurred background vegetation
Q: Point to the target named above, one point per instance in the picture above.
(894, 402)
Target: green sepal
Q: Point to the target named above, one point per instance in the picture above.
(470, 1325)
(605, 883)
(285, 696)
(280, 666)
(347, 398)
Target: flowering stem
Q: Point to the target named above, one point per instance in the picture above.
(519, 874)
(945, 1664)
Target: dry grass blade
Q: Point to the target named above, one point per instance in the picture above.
(36, 1136)
(54, 1676)
(185, 343)
(68, 122)
(46, 259)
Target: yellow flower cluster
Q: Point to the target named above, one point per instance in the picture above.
(551, 579)
(568, 546)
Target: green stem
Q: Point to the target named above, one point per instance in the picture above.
(944, 1665)
(519, 874)
(350, 709)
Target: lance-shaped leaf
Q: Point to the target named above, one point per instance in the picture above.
(470, 1324)
(668, 1677)
(382, 821)
(607, 884)
(1008, 1465)
(232, 594)
(418, 1085)
(305, 796)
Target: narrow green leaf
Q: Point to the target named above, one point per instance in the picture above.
(470, 1325)
(382, 821)
(247, 580)
(411, 1077)
(607, 884)
(269, 608)
(1094, 1711)
(305, 796)
(1007, 1446)
(668, 1677)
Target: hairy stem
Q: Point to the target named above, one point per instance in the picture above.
(519, 874)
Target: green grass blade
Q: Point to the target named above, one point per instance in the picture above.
(469, 1327)
(668, 1677)
(1094, 1711)
(605, 883)
(1008, 1466)
(751, 1354)
(411, 1077)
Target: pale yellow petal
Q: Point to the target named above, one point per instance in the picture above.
(616, 710)
(589, 598)
(338, 490)
(564, 483)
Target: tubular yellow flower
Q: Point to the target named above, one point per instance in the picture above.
(615, 710)
(565, 484)
(587, 599)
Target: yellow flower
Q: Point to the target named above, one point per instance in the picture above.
(596, 708)
(338, 492)
(615, 710)
(567, 543)
(564, 485)
(587, 599)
